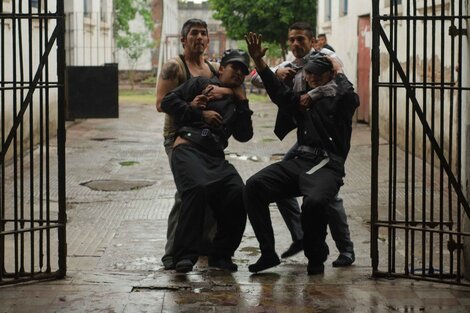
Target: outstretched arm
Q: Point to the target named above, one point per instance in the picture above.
(279, 93)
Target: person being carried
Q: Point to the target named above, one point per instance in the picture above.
(195, 40)
(324, 127)
(202, 175)
(301, 40)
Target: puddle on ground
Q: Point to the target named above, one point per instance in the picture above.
(117, 185)
(102, 138)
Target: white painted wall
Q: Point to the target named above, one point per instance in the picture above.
(341, 31)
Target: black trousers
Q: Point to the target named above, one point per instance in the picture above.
(293, 178)
(204, 179)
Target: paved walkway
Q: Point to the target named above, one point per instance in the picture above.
(119, 193)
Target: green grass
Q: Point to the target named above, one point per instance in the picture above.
(140, 96)
(147, 96)
(257, 98)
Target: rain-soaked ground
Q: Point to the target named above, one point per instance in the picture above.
(119, 193)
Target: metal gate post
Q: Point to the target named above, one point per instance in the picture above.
(61, 138)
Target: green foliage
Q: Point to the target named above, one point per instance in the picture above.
(133, 43)
(271, 18)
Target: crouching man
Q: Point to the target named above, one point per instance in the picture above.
(202, 175)
(316, 171)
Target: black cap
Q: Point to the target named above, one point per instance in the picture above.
(236, 55)
(318, 65)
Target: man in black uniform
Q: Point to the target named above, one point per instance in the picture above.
(202, 175)
(317, 170)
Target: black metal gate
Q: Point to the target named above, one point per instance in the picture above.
(32, 126)
(420, 87)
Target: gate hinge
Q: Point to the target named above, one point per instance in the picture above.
(452, 245)
(454, 31)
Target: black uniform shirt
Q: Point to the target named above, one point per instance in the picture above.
(236, 115)
(327, 124)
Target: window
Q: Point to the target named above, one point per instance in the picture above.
(327, 10)
(104, 11)
(35, 3)
(343, 7)
(87, 8)
(393, 2)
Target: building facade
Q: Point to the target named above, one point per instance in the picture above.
(89, 32)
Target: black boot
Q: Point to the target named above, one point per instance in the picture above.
(264, 262)
(294, 248)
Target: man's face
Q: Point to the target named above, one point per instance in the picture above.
(314, 80)
(196, 41)
(231, 75)
(299, 43)
(321, 41)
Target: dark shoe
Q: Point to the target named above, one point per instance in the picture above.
(224, 263)
(184, 266)
(344, 260)
(315, 269)
(294, 248)
(263, 263)
(168, 264)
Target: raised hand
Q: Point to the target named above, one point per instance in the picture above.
(255, 49)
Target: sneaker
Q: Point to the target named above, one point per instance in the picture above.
(344, 260)
(184, 266)
(294, 248)
(224, 263)
(315, 269)
(264, 262)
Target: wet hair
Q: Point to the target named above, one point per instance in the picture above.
(191, 23)
(303, 26)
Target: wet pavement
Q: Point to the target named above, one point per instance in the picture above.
(119, 193)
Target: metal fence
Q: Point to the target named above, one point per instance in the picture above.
(32, 130)
(418, 201)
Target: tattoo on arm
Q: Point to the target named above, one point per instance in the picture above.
(170, 71)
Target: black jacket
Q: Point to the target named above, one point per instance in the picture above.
(190, 125)
(327, 124)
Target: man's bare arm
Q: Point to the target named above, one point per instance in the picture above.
(167, 81)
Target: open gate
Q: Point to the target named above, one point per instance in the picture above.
(32, 126)
(420, 97)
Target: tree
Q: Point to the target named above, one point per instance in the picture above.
(271, 18)
(133, 43)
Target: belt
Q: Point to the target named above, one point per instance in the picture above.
(312, 150)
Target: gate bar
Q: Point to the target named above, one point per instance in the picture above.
(427, 129)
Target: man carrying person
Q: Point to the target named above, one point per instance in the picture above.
(316, 171)
(195, 40)
(301, 40)
(202, 175)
